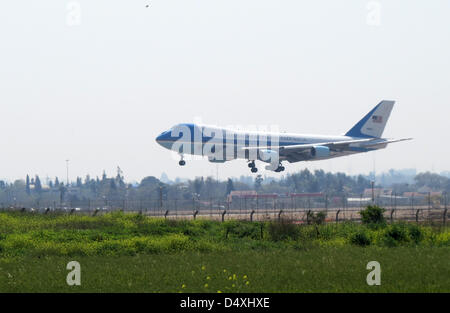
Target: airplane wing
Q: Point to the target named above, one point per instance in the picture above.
(336, 145)
(387, 142)
(295, 153)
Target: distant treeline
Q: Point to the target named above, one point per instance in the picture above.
(115, 188)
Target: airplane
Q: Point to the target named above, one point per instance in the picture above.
(221, 144)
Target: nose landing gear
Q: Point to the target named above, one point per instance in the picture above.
(182, 162)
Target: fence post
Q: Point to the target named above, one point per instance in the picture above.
(195, 214)
(46, 210)
(392, 215)
(251, 215)
(279, 215)
(445, 206)
(95, 212)
(307, 216)
(166, 213)
(417, 215)
(337, 215)
(71, 211)
(223, 215)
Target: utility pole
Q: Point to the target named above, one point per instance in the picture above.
(373, 192)
(67, 170)
(217, 174)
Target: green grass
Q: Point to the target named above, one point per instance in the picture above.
(131, 253)
(403, 269)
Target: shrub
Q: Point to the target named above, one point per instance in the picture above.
(360, 238)
(242, 229)
(415, 233)
(396, 234)
(283, 230)
(316, 219)
(373, 214)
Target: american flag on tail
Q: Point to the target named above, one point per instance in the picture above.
(377, 119)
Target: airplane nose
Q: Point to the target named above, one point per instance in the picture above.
(161, 138)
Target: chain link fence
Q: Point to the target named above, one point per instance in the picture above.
(294, 207)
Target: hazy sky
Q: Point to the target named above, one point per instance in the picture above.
(98, 87)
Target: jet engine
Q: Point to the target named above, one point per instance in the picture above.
(269, 156)
(319, 152)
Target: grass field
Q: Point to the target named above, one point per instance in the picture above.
(131, 253)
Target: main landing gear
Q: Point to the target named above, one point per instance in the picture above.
(280, 168)
(252, 166)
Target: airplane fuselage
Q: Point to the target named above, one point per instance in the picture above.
(221, 144)
(207, 140)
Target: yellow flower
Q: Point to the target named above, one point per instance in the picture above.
(230, 278)
(206, 285)
(234, 276)
(203, 268)
(245, 276)
(218, 291)
(183, 286)
(233, 285)
(208, 278)
(224, 270)
(247, 283)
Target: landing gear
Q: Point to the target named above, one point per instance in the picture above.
(252, 166)
(182, 162)
(280, 168)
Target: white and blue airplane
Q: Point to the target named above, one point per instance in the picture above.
(223, 144)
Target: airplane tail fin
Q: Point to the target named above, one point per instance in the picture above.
(373, 124)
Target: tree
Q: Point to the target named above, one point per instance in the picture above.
(119, 177)
(27, 186)
(112, 185)
(430, 180)
(87, 180)
(62, 191)
(258, 182)
(230, 186)
(37, 184)
(373, 214)
(198, 185)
